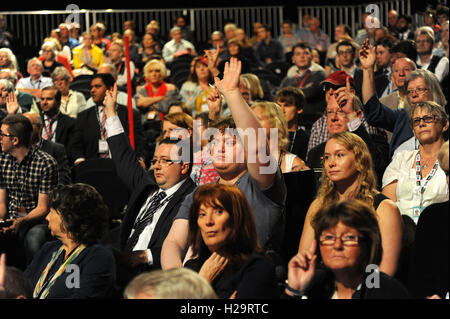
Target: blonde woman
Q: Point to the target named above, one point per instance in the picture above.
(270, 115)
(250, 87)
(347, 175)
(87, 54)
(156, 95)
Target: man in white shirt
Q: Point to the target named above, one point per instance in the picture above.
(177, 46)
(425, 58)
(35, 82)
(155, 198)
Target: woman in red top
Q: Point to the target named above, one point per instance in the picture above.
(156, 95)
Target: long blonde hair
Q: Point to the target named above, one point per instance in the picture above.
(277, 120)
(366, 189)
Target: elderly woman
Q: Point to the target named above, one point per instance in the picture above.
(414, 178)
(197, 87)
(271, 116)
(72, 102)
(349, 241)
(429, 273)
(347, 174)
(156, 95)
(49, 53)
(74, 266)
(223, 237)
(8, 60)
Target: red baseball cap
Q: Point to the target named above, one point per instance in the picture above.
(338, 78)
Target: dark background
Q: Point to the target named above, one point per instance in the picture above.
(289, 5)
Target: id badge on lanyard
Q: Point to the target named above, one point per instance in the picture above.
(420, 189)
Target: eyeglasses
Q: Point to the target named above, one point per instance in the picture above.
(327, 86)
(418, 90)
(422, 41)
(426, 119)
(6, 135)
(163, 162)
(347, 239)
(338, 113)
(345, 52)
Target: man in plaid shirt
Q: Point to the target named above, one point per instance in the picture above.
(27, 176)
(319, 130)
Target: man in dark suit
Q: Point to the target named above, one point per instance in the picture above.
(57, 127)
(89, 141)
(155, 198)
(56, 150)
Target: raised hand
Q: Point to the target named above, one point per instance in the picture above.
(367, 55)
(214, 103)
(213, 267)
(12, 106)
(231, 73)
(212, 56)
(110, 101)
(344, 97)
(301, 268)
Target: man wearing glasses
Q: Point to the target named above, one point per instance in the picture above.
(425, 58)
(155, 197)
(346, 55)
(27, 176)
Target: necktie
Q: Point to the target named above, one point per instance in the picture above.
(48, 129)
(145, 220)
(103, 126)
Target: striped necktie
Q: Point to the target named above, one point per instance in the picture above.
(145, 220)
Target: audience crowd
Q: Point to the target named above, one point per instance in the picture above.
(115, 176)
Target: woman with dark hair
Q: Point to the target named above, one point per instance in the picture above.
(349, 264)
(223, 238)
(74, 266)
(347, 174)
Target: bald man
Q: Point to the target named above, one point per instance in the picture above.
(56, 150)
(401, 69)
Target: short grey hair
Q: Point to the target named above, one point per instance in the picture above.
(425, 30)
(178, 283)
(432, 84)
(7, 84)
(34, 59)
(175, 28)
(61, 71)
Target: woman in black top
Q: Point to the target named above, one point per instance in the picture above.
(74, 266)
(349, 241)
(223, 236)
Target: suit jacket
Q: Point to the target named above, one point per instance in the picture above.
(87, 133)
(381, 82)
(64, 130)
(58, 152)
(141, 184)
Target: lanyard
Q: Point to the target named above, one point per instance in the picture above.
(308, 73)
(38, 83)
(421, 188)
(43, 286)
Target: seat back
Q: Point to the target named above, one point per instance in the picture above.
(101, 174)
(301, 191)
